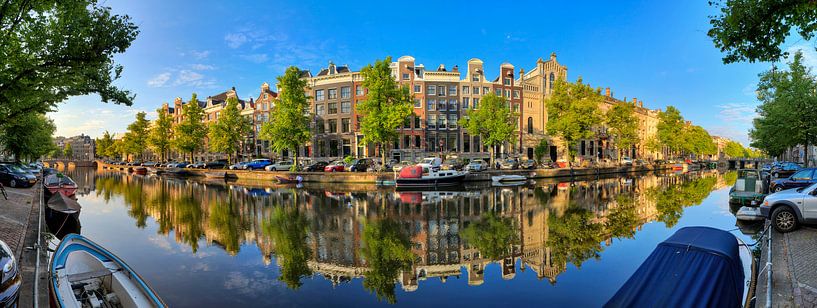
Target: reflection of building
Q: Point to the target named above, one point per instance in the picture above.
(434, 222)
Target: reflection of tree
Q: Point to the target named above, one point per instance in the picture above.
(288, 229)
(730, 177)
(493, 236)
(622, 220)
(226, 221)
(387, 251)
(671, 200)
(574, 237)
(189, 217)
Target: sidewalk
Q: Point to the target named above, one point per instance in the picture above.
(18, 228)
(794, 266)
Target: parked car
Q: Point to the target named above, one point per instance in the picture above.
(785, 169)
(453, 164)
(802, 178)
(528, 164)
(431, 163)
(476, 166)
(396, 167)
(283, 165)
(316, 166)
(360, 165)
(788, 209)
(337, 166)
(216, 164)
(196, 165)
(239, 166)
(10, 280)
(182, 164)
(626, 161)
(257, 164)
(149, 164)
(14, 176)
(509, 164)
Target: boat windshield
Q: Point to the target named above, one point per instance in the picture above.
(428, 160)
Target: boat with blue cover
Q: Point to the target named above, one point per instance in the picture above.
(695, 267)
(84, 274)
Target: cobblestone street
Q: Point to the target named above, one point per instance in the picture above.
(794, 278)
(14, 216)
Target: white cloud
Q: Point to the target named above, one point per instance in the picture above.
(235, 40)
(809, 54)
(199, 54)
(159, 80)
(737, 112)
(202, 67)
(186, 76)
(257, 57)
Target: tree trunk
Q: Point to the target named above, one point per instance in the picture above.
(807, 156)
(382, 157)
(295, 160)
(491, 158)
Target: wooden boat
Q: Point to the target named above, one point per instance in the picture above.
(84, 274)
(695, 267)
(59, 183)
(289, 179)
(509, 178)
(748, 188)
(62, 215)
(140, 170)
(419, 177)
(216, 174)
(176, 172)
(155, 171)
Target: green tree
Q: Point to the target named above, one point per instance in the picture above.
(288, 229)
(226, 135)
(541, 150)
(387, 251)
(288, 127)
(622, 126)
(68, 151)
(117, 149)
(136, 139)
(734, 149)
(386, 106)
(160, 133)
(788, 109)
(573, 111)
(492, 235)
(670, 129)
(188, 135)
(698, 141)
(753, 30)
(28, 136)
(494, 122)
(51, 50)
(103, 144)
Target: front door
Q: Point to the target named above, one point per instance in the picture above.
(553, 153)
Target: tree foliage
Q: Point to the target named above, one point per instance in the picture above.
(494, 122)
(541, 150)
(104, 144)
(136, 138)
(188, 135)
(68, 151)
(28, 136)
(51, 50)
(289, 125)
(622, 125)
(386, 106)
(734, 150)
(229, 131)
(753, 30)
(788, 109)
(161, 133)
(670, 129)
(696, 140)
(573, 112)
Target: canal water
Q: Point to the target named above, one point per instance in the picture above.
(204, 243)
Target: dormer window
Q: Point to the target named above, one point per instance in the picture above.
(475, 77)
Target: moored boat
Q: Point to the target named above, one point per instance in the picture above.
(216, 174)
(419, 177)
(62, 215)
(59, 183)
(748, 188)
(509, 178)
(84, 274)
(140, 170)
(289, 179)
(176, 172)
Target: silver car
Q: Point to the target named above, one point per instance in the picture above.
(789, 208)
(476, 165)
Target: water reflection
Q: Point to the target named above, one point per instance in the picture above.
(391, 239)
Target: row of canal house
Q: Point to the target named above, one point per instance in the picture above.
(442, 96)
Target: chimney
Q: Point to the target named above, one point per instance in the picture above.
(441, 68)
(265, 86)
(640, 104)
(607, 92)
(455, 68)
(635, 101)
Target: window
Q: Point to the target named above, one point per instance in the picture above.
(319, 126)
(466, 144)
(476, 90)
(345, 125)
(406, 141)
(320, 109)
(319, 95)
(333, 93)
(530, 125)
(405, 76)
(359, 90)
(552, 79)
(515, 93)
(431, 90)
(333, 126)
(441, 106)
(417, 141)
(417, 123)
(345, 92)
(485, 90)
(507, 93)
(452, 121)
(466, 90)
(333, 108)
(431, 104)
(418, 103)
(475, 77)
(465, 103)
(498, 92)
(407, 123)
(441, 121)
(418, 88)
(452, 104)
(452, 90)
(476, 103)
(431, 121)
(346, 107)
(507, 81)
(440, 90)
(516, 108)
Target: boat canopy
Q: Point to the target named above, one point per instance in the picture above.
(411, 172)
(63, 204)
(695, 267)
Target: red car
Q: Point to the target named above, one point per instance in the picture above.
(337, 166)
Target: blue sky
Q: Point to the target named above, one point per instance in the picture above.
(656, 51)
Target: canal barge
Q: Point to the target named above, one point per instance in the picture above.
(420, 177)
